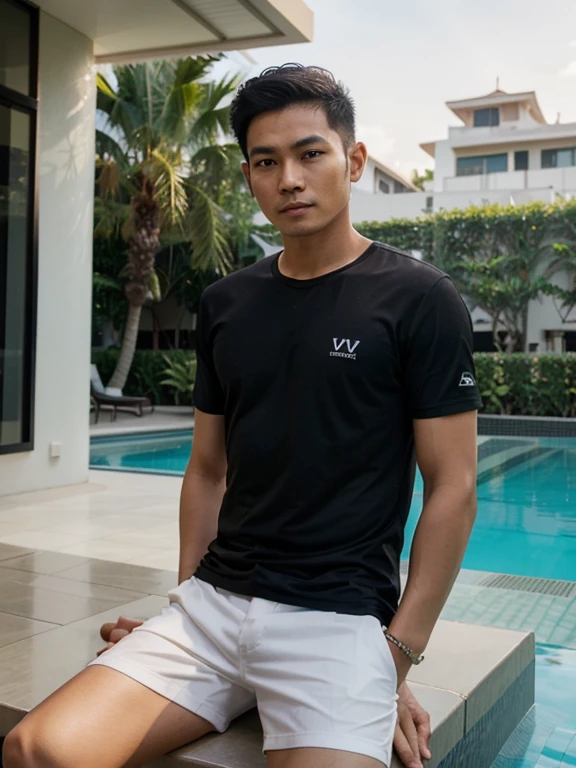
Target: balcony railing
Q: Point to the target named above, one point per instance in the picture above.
(560, 179)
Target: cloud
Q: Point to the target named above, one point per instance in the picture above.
(380, 144)
(573, 44)
(569, 71)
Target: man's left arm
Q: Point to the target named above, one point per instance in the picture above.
(446, 453)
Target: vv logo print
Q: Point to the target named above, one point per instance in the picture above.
(339, 348)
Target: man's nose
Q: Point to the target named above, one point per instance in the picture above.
(291, 178)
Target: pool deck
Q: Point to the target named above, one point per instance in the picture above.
(164, 419)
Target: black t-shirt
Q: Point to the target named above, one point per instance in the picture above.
(318, 381)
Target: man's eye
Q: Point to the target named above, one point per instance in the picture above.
(313, 153)
(266, 163)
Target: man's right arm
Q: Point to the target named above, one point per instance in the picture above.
(202, 492)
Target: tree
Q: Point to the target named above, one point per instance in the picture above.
(162, 119)
(500, 260)
(564, 260)
(420, 179)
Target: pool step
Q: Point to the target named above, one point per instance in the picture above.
(555, 587)
(560, 750)
(498, 463)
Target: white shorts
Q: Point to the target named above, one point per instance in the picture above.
(318, 678)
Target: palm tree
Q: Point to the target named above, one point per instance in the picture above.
(163, 119)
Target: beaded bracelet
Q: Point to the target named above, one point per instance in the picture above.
(414, 658)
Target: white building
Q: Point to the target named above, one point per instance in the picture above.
(504, 152)
(47, 110)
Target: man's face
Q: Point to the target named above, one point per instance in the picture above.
(299, 170)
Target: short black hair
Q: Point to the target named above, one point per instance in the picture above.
(279, 87)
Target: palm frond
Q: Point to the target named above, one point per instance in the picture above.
(180, 104)
(105, 96)
(217, 168)
(163, 169)
(109, 217)
(104, 281)
(213, 118)
(108, 147)
(154, 286)
(109, 178)
(208, 234)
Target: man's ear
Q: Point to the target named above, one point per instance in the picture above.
(357, 157)
(246, 172)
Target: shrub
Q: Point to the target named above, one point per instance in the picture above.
(147, 372)
(527, 385)
(180, 376)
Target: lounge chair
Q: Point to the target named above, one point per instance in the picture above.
(114, 398)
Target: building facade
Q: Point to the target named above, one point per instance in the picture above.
(504, 146)
(48, 52)
(503, 152)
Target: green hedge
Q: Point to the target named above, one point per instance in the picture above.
(527, 385)
(146, 373)
(524, 385)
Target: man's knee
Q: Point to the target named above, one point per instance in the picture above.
(14, 750)
(23, 749)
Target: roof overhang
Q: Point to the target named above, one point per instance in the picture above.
(429, 147)
(394, 175)
(463, 107)
(135, 30)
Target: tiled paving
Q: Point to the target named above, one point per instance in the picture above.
(553, 619)
(119, 517)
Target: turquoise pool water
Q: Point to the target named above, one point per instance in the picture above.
(526, 525)
(546, 738)
(526, 522)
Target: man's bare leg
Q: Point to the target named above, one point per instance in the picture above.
(315, 757)
(101, 719)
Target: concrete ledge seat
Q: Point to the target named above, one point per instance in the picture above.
(476, 682)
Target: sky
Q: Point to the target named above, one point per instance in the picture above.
(403, 59)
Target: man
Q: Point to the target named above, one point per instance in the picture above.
(322, 372)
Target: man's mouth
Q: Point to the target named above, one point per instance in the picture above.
(295, 209)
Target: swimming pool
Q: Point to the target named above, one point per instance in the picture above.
(526, 523)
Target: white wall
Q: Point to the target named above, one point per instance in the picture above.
(65, 204)
(369, 207)
(444, 164)
(366, 182)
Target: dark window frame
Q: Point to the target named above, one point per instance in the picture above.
(492, 113)
(381, 183)
(28, 105)
(553, 153)
(521, 157)
(483, 161)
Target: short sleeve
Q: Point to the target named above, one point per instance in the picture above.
(439, 363)
(208, 394)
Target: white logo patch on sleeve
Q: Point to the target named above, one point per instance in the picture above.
(467, 380)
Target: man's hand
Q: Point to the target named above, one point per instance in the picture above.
(111, 633)
(412, 734)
